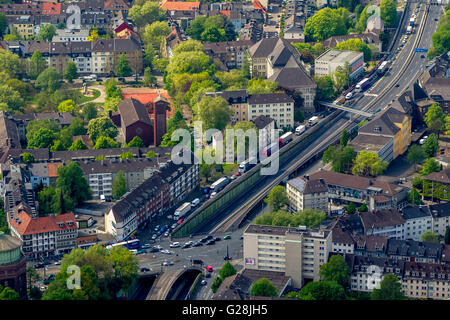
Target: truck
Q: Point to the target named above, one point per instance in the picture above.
(300, 129)
(285, 139)
(409, 30)
(247, 165)
(182, 210)
(383, 67)
(363, 84)
(411, 22)
(313, 120)
(219, 184)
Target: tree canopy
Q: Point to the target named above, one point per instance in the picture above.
(277, 198)
(71, 179)
(119, 185)
(369, 164)
(325, 23)
(336, 269)
(356, 45)
(390, 289)
(322, 290)
(340, 157)
(311, 218)
(214, 112)
(263, 288)
(102, 126)
(429, 236)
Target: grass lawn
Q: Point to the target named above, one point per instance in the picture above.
(227, 167)
(84, 98)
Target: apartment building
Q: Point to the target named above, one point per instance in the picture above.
(418, 220)
(440, 214)
(342, 241)
(387, 222)
(328, 61)
(414, 251)
(426, 281)
(304, 193)
(436, 185)
(71, 35)
(43, 236)
(278, 106)
(229, 54)
(297, 252)
(266, 129)
(238, 101)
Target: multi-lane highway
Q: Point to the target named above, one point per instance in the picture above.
(405, 68)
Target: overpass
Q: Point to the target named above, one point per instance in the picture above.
(345, 108)
(164, 283)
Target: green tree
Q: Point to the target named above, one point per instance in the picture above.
(325, 90)
(45, 198)
(8, 294)
(344, 138)
(216, 284)
(430, 166)
(263, 288)
(112, 104)
(48, 80)
(3, 24)
(111, 89)
(213, 34)
(340, 157)
(136, 142)
(36, 65)
(62, 202)
(147, 13)
(126, 155)
(188, 46)
(363, 17)
(71, 72)
(150, 154)
(227, 270)
(214, 112)
(435, 118)
(46, 32)
(351, 208)
(10, 100)
(27, 157)
(322, 290)
(299, 116)
(105, 143)
(277, 198)
(89, 111)
(414, 197)
(71, 179)
(415, 155)
(259, 86)
(363, 208)
(119, 187)
(311, 218)
(417, 182)
(336, 269)
(78, 145)
(14, 35)
(390, 289)
(441, 38)
(68, 106)
(42, 138)
(323, 24)
(123, 68)
(388, 12)
(429, 236)
(148, 77)
(368, 163)
(102, 126)
(356, 45)
(155, 33)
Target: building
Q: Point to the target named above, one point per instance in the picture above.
(426, 281)
(342, 241)
(71, 35)
(345, 188)
(148, 97)
(414, 251)
(304, 193)
(228, 54)
(369, 38)
(63, 119)
(381, 145)
(440, 214)
(44, 236)
(436, 185)
(387, 222)
(13, 265)
(327, 63)
(418, 220)
(297, 252)
(266, 129)
(294, 32)
(278, 106)
(9, 135)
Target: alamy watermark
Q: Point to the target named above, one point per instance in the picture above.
(250, 145)
(375, 275)
(74, 279)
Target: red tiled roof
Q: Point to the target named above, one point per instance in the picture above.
(30, 226)
(53, 169)
(51, 8)
(181, 5)
(258, 6)
(147, 97)
(225, 13)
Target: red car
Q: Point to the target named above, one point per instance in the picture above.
(180, 221)
(238, 174)
(209, 268)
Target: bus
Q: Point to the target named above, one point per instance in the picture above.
(130, 244)
(363, 85)
(382, 68)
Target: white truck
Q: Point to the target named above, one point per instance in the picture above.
(313, 121)
(300, 129)
(219, 184)
(408, 30)
(181, 211)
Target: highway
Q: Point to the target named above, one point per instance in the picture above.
(404, 70)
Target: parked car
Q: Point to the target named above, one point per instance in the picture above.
(154, 237)
(213, 195)
(207, 275)
(141, 251)
(146, 246)
(227, 237)
(152, 250)
(166, 234)
(167, 263)
(203, 282)
(210, 242)
(185, 246)
(174, 225)
(157, 228)
(217, 239)
(144, 269)
(57, 263)
(197, 244)
(175, 245)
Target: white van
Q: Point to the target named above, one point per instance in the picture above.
(102, 198)
(195, 202)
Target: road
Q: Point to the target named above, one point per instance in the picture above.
(404, 70)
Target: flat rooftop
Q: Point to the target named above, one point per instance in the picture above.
(338, 56)
(369, 142)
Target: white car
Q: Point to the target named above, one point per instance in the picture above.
(175, 245)
(166, 251)
(146, 246)
(195, 202)
(349, 96)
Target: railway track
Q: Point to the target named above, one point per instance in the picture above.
(236, 218)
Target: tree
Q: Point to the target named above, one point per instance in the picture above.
(430, 166)
(340, 157)
(126, 155)
(414, 197)
(119, 186)
(323, 24)
(36, 65)
(45, 198)
(105, 143)
(325, 90)
(205, 170)
(435, 118)
(27, 157)
(71, 71)
(48, 80)
(136, 142)
(214, 112)
(362, 21)
(89, 111)
(417, 182)
(155, 33)
(368, 163)
(263, 288)
(71, 179)
(429, 236)
(146, 13)
(344, 138)
(216, 284)
(311, 218)
(363, 208)
(62, 202)
(78, 145)
(356, 45)
(148, 77)
(111, 89)
(447, 235)
(390, 289)
(67, 106)
(213, 34)
(8, 294)
(336, 269)
(10, 100)
(277, 198)
(441, 38)
(150, 154)
(42, 138)
(299, 116)
(102, 126)
(351, 208)
(3, 24)
(227, 270)
(32, 277)
(123, 68)
(259, 86)
(111, 104)
(388, 12)
(322, 290)
(415, 155)
(46, 32)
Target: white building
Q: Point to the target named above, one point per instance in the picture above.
(327, 62)
(418, 220)
(304, 193)
(386, 222)
(278, 106)
(440, 217)
(71, 35)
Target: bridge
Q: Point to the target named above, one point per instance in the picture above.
(348, 109)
